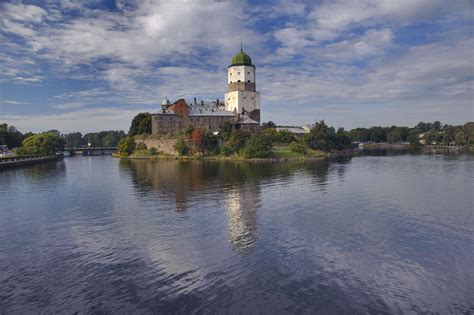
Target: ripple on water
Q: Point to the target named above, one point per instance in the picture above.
(370, 235)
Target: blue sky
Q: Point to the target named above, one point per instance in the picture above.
(93, 65)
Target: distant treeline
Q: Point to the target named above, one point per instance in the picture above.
(429, 133)
(13, 138)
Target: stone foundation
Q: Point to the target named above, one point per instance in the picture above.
(161, 145)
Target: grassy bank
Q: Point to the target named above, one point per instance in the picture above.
(279, 153)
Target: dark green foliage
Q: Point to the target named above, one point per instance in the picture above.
(153, 151)
(226, 151)
(74, 140)
(258, 146)
(126, 146)
(141, 146)
(322, 137)
(298, 148)
(141, 124)
(43, 143)
(211, 143)
(226, 130)
(285, 136)
(10, 136)
(459, 138)
(342, 140)
(414, 138)
(103, 139)
(269, 124)
(181, 147)
(237, 140)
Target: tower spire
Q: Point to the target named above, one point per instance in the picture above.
(241, 43)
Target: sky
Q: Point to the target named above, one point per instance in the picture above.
(93, 65)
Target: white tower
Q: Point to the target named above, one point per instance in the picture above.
(241, 94)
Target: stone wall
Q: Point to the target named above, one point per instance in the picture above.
(161, 145)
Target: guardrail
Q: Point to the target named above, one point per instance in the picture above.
(6, 159)
(90, 148)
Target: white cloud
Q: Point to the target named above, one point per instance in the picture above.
(333, 59)
(85, 120)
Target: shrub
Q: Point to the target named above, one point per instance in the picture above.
(181, 147)
(227, 150)
(298, 148)
(258, 146)
(126, 146)
(141, 146)
(153, 151)
(284, 136)
(237, 140)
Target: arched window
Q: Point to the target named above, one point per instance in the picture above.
(238, 80)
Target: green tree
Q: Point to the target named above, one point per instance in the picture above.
(414, 139)
(269, 124)
(126, 146)
(225, 130)
(237, 140)
(285, 136)
(43, 143)
(430, 136)
(74, 140)
(181, 147)
(460, 139)
(141, 124)
(10, 136)
(258, 146)
(469, 131)
(394, 136)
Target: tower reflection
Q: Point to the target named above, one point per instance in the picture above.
(235, 187)
(243, 203)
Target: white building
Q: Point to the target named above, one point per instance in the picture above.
(241, 95)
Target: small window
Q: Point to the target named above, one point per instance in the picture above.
(238, 80)
(248, 72)
(238, 73)
(248, 81)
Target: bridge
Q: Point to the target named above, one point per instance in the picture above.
(89, 151)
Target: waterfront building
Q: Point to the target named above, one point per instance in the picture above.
(242, 95)
(241, 107)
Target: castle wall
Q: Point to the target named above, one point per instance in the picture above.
(161, 145)
(172, 123)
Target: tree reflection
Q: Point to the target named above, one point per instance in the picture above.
(238, 183)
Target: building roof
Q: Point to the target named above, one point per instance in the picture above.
(209, 112)
(248, 120)
(241, 59)
(292, 129)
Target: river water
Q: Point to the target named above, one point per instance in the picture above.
(373, 234)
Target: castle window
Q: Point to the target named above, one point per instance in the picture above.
(248, 72)
(238, 73)
(248, 80)
(238, 80)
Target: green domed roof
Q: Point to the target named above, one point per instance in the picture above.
(241, 59)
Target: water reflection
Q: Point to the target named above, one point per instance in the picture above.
(237, 187)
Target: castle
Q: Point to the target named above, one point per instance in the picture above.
(241, 106)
